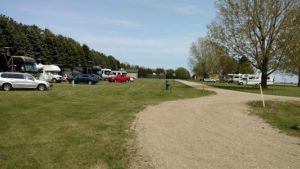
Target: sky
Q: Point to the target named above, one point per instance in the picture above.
(149, 33)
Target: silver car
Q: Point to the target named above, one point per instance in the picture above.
(13, 80)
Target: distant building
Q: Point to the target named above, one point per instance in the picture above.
(155, 76)
(132, 73)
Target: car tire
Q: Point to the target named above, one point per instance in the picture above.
(7, 87)
(41, 87)
(53, 80)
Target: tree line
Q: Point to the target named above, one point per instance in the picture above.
(264, 32)
(209, 58)
(180, 73)
(48, 48)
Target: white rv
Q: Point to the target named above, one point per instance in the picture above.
(250, 79)
(118, 72)
(49, 73)
(234, 78)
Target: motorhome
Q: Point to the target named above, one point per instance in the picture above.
(17, 64)
(96, 70)
(251, 79)
(49, 73)
(69, 70)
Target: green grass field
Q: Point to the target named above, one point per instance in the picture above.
(79, 128)
(283, 115)
(279, 90)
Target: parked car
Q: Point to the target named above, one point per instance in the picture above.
(132, 79)
(120, 78)
(209, 80)
(84, 78)
(14, 80)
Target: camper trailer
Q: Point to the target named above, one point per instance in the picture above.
(234, 78)
(250, 79)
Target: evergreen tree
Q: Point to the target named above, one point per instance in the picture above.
(45, 46)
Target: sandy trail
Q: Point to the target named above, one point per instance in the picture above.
(212, 132)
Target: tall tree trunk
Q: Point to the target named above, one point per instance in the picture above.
(299, 77)
(264, 74)
(264, 78)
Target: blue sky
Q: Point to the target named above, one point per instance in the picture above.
(150, 33)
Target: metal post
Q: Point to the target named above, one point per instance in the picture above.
(12, 64)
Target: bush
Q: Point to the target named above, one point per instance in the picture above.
(182, 73)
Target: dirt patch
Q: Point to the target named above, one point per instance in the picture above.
(212, 132)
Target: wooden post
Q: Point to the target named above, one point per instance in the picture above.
(262, 95)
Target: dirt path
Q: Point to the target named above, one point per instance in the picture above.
(212, 132)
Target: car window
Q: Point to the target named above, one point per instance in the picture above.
(29, 77)
(16, 76)
(4, 75)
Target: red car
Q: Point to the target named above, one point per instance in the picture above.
(120, 78)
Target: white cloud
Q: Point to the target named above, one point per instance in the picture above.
(152, 52)
(181, 8)
(120, 22)
(159, 46)
(186, 9)
(83, 19)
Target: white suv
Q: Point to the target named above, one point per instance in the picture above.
(14, 80)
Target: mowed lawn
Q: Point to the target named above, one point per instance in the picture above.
(283, 115)
(279, 90)
(81, 127)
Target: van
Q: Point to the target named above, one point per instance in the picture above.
(118, 72)
(106, 73)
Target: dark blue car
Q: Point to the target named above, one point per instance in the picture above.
(84, 78)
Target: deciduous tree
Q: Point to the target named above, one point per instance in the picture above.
(182, 73)
(209, 57)
(256, 29)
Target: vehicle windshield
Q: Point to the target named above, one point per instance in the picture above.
(52, 73)
(106, 72)
(30, 66)
(96, 71)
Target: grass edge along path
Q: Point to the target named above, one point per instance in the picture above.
(282, 115)
(85, 127)
(278, 90)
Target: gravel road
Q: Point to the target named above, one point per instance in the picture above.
(212, 132)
